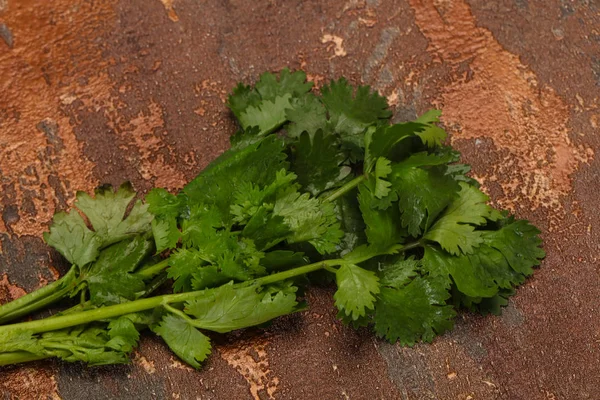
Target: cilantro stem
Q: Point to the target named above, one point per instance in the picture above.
(106, 312)
(346, 188)
(38, 298)
(15, 357)
(83, 317)
(152, 270)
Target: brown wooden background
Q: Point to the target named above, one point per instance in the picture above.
(102, 91)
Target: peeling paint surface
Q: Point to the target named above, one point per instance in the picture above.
(493, 95)
(106, 91)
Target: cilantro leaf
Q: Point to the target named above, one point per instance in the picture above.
(423, 189)
(293, 83)
(356, 290)
(123, 334)
(110, 279)
(166, 209)
(432, 135)
(351, 222)
(399, 273)
(71, 237)
(265, 106)
(381, 228)
(241, 98)
(316, 161)
(268, 115)
(191, 345)
(217, 186)
(228, 308)
(106, 213)
(455, 229)
(91, 344)
(309, 220)
(379, 142)
(518, 241)
(306, 114)
(351, 113)
(416, 311)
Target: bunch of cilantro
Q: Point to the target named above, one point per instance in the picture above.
(315, 189)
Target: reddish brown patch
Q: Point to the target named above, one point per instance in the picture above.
(500, 98)
(9, 292)
(41, 158)
(29, 383)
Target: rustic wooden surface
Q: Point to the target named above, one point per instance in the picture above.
(102, 91)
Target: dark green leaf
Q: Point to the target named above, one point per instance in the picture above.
(186, 341)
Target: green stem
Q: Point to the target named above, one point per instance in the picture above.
(39, 298)
(152, 270)
(346, 188)
(15, 357)
(69, 320)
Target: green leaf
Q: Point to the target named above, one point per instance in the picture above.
(268, 115)
(249, 198)
(293, 83)
(123, 334)
(382, 230)
(191, 345)
(356, 290)
(518, 241)
(480, 274)
(110, 279)
(279, 260)
(381, 141)
(217, 186)
(349, 113)
(17, 340)
(71, 237)
(106, 213)
(242, 97)
(398, 273)
(316, 161)
(351, 222)
(89, 344)
(265, 106)
(382, 170)
(166, 209)
(228, 308)
(455, 229)
(422, 194)
(306, 114)
(432, 135)
(416, 311)
(309, 220)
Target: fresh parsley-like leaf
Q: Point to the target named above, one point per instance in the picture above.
(123, 334)
(356, 291)
(351, 113)
(455, 229)
(191, 345)
(228, 308)
(106, 213)
(432, 135)
(71, 237)
(306, 114)
(414, 312)
(316, 161)
(110, 279)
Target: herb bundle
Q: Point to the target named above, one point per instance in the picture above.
(315, 188)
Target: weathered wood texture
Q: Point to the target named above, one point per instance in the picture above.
(102, 91)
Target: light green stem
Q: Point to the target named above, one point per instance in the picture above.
(346, 188)
(39, 298)
(16, 357)
(84, 317)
